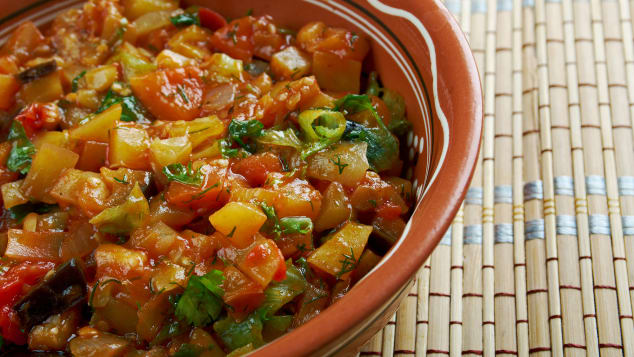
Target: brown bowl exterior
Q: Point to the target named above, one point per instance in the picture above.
(419, 50)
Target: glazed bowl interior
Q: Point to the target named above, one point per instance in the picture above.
(419, 51)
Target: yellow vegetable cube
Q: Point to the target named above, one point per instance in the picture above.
(199, 130)
(136, 8)
(45, 89)
(335, 208)
(171, 59)
(345, 163)
(101, 78)
(12, 194)
(48, 164)
(339, 255)
(8, 87)
(129, 148)
(290, 63)
(190, 42)
(170, 151)
(151, 21)
(224, 68)
(239, 222)
(336, 74)
(98, 128)
(57, 138)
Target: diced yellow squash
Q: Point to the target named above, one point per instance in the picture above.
(256, 195)
(335, 208)
(100, 127)
(136, 8)
(125, 177)
(290, 63)
(48, 164)
(170, 151)
(29, 224)
(224, 68)
(34, 246)
(117, 261)
(168, 276)
(87, 98)
(129, 148)
(345, 163)
(340, 254)
(134, 63)
(367, 262)
(190, 42)
(151, 21)
(198, 130)
(210, 151)
(92, 156)
(239, 222)
(9, 86)
(297, 198)
(101, 78)
(57, 138)
(83, 189)
(171, 59)
(321, 100)
(403, 187)
(42, 90)
(336, 74)
(157, 238)
(12, 194)
(126, 217)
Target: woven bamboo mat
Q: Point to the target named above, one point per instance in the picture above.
(540, 258)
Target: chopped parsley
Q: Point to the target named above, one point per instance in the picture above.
(241, 132)
(75, 82)
(287, 225)
(182, 93)
(341, 166)
(185, 19)
(348, 263)
(201, 302)
(131, 108)
(20, 157)
(183, 174)
(123, 180)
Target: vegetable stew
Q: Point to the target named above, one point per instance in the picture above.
(175, 183)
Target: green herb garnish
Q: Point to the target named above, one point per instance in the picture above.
(183, 174)
(201, 302)
(20, 157)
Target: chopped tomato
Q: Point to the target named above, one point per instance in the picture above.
(241, 293)
(389, 210)
(256, 168)
(12, 285)
(34, 117)
(171, 94)
(211, 19)
(235, 38)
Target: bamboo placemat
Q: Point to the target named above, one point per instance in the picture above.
(540, 258)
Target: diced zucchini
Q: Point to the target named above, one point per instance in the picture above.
(48, 164)
(239, 222)
(170, 151)
(99, 127)
(129, 148)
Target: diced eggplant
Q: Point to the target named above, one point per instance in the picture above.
(65, 288)
(37, 71)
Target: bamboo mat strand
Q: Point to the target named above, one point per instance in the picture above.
(539, 260)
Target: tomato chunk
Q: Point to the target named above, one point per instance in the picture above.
(256, 168)
(12, 285)
(235, 39)
(171, 94)
(211, 19)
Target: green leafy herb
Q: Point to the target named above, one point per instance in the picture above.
(247, 129)
(201, 303)
(75, 82)
(185, 19)
(238, 334)
(249, 12)
(124, 180)
(293, 225)
(183, 174)
(272, 225)
(232, 232)
(285, 31)
(168, 331)
(131, 108)
(202, 193)
(98, 285)
(20, 211)
(182, 93)
(20, 157)
(341, 166)
(348, 263)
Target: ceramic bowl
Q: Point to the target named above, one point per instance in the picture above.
(418, 50)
